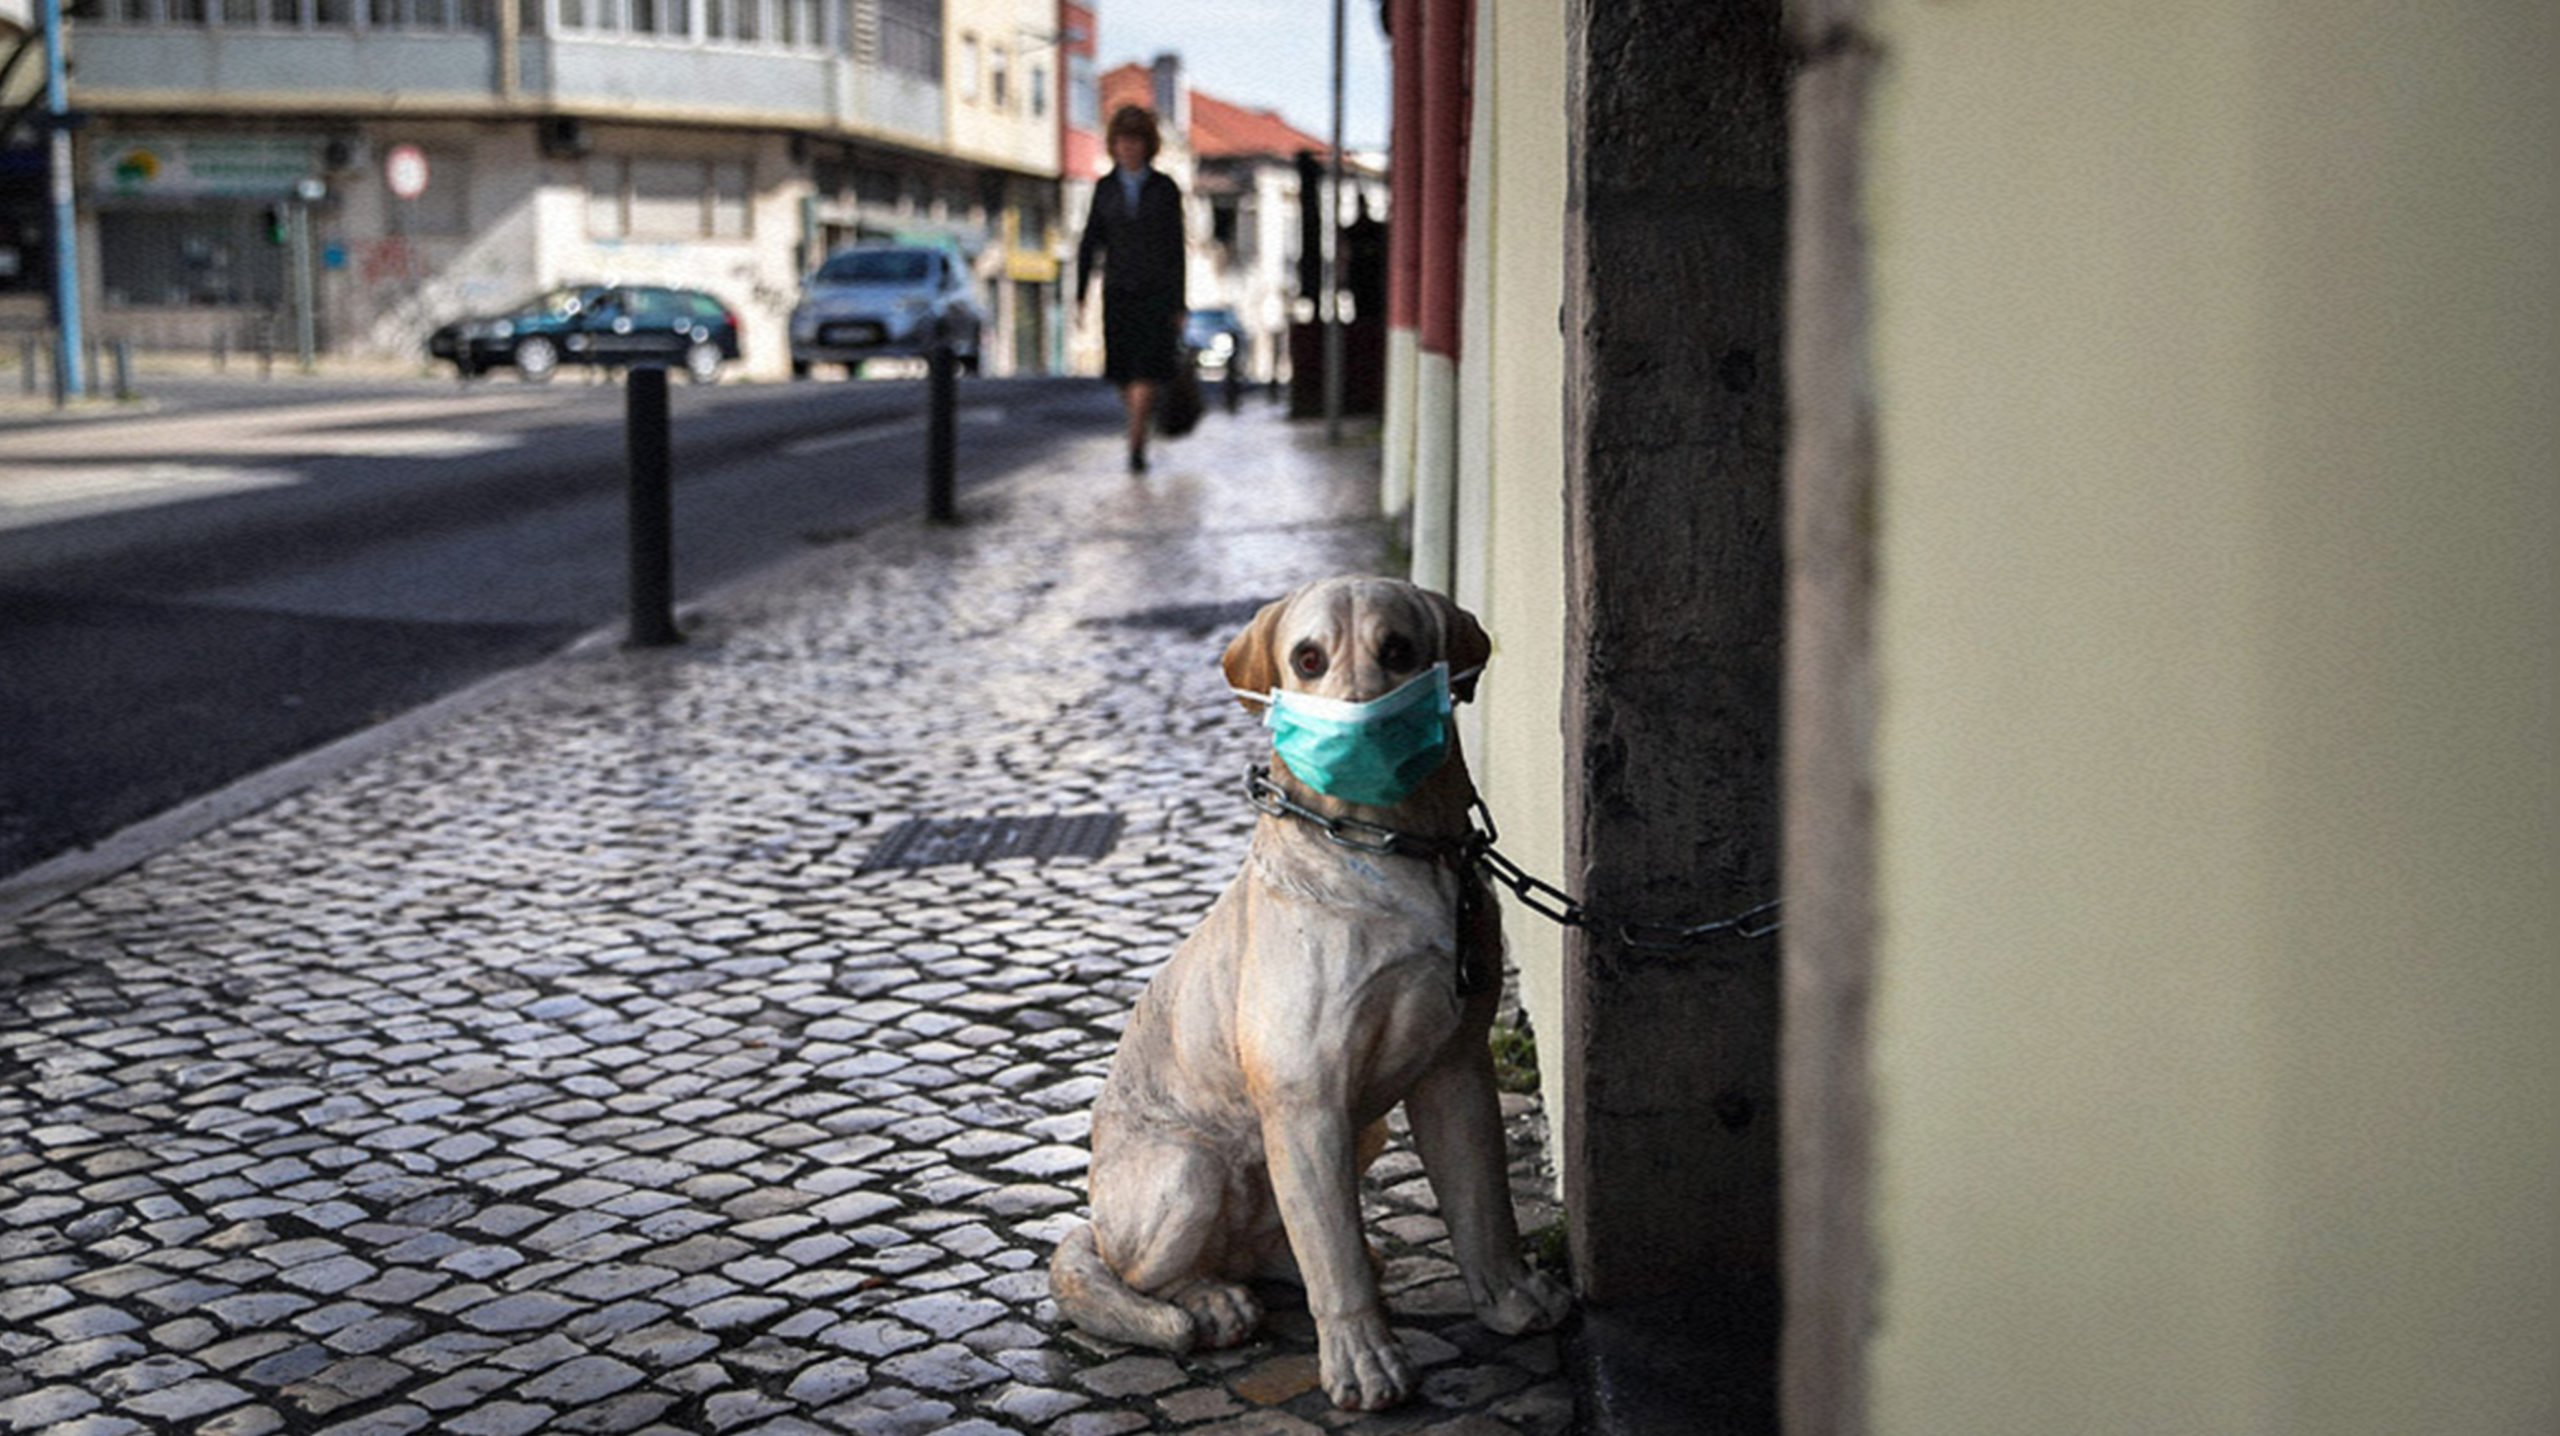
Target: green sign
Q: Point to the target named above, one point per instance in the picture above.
(187, 166)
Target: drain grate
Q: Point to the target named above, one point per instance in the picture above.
(1187, 617)
(938, 842)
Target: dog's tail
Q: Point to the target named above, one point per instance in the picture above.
(1093, 1296)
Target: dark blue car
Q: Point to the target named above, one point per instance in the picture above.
(604, 324)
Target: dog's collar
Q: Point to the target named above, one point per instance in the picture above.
(1479, 957)
(1273, 800)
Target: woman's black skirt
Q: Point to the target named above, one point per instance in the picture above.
(1141, 337)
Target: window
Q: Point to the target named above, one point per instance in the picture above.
(732, 200)
(1084, 94)
(800, 24)
(212, 253)
(1000, 79)
(607, 216)
(665, 199)
(1039, 91)
(969, 67)
(910, 38)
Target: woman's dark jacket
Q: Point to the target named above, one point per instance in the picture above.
(1141, 249)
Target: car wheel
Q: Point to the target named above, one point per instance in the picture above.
(537, 359)
(702, 362)
(799, 368)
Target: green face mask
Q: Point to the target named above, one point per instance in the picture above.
(1376, 752)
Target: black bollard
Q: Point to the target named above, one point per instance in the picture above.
(941, 435)
(122, 350)
(652, 525)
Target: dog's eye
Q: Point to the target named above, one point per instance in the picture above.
(1308, 660)
(1396, 653)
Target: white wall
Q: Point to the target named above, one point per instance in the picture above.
(1509, 550)
(2215, 348)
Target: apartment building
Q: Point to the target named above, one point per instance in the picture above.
(369, 168)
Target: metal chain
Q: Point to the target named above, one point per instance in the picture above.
(1543, 898)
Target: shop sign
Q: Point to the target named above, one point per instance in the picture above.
(189, 166)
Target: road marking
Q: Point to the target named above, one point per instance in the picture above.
(35, 494)
(308, 430)
(886, 428)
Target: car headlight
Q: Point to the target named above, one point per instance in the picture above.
(502, 330)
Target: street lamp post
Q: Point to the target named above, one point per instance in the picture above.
(66, 233)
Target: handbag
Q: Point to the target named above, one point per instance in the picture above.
(1178, 403)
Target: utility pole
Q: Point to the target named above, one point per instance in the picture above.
(66, 228)
(306, 322)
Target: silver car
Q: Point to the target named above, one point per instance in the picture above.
(876, 301)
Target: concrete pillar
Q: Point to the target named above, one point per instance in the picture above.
(1674, 438)
(1443, 273)
(1404, 255)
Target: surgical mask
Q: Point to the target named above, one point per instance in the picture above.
(1376, 752)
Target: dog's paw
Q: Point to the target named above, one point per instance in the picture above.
(1527, 1301)
(1222, 1313)
(1363, 1365)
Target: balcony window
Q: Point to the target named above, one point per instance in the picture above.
(909, 38)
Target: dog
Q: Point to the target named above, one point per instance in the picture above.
(1327, 983)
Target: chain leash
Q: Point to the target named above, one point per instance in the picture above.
(1477, 850)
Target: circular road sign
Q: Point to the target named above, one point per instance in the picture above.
(405, 170)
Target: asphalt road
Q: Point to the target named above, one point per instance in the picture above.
(253, 570)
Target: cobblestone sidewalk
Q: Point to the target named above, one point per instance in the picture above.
(565, 1070)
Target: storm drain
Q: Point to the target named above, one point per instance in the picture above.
(940, 842)
(1187, 617)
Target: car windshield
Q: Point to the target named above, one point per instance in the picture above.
(876, 266)
(1213, 318)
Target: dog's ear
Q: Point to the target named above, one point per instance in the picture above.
(1463, 644)
(1252, 664)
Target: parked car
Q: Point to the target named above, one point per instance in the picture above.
(1217, 343)
(606, 324)
(883, 300)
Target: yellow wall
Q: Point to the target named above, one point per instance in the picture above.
(1509, 560)
(2219, 915)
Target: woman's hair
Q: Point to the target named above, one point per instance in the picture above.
(1135, 120)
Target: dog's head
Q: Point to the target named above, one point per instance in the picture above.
(1355, 639)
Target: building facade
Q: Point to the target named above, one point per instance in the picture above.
(366, 169)
(2166, 745)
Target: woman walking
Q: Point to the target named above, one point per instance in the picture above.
(1135, 230)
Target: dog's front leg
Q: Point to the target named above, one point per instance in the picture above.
(1456, 1113)
(1315, 1177)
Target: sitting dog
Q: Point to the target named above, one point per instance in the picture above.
(1329, 981)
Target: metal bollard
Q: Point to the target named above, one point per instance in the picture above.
(941, 437)
(28, 349)
(122, 352)
(222, 352)
(652, 510)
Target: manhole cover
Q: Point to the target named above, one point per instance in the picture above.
(938, 842)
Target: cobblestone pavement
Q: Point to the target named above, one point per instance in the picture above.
(564, 1069)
